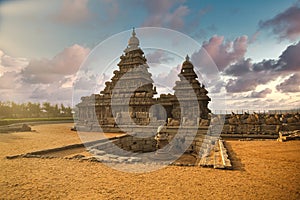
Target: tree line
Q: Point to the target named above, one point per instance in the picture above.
(33, 110)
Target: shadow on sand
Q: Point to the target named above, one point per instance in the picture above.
(235, 160)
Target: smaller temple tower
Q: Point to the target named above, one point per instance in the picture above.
(188, 80)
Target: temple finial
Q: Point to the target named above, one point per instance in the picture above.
(133, 42)
(187, 58)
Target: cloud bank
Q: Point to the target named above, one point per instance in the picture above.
(285, 25)
(41, 79)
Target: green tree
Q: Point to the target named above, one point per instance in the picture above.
(5, 110)
(34, 109)
(47, 109)
(56, 111)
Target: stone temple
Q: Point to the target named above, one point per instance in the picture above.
(128, 98)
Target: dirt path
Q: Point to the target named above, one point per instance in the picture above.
(264, 170)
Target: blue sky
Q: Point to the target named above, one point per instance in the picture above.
(31, 28)
(37, 36)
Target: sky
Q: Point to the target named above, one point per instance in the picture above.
(254, 44)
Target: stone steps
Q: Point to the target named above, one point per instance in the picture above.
(215, 156)
(225, 158)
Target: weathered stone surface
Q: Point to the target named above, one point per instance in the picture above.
(97, 152)
(289, 135)
(78, 156)
(15, 128)
(260, 123)
(134, 159)
(133, 81)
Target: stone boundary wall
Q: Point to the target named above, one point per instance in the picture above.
(216, 157)
(225, 158)
(261, 129)
(128, 143)
(288, 135)
(57, 149)
(15, 128)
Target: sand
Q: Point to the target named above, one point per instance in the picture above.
(263, 170)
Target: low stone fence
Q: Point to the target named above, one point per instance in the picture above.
(262, 131)
(288, 135)
(225, 158)
(216, 157)
(127, 143)
(15, 128)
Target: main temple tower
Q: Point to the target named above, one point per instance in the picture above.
(131, 82)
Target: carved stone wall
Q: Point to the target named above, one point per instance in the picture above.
(133, 81)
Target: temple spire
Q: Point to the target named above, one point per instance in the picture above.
(133, 42)
(187, 58)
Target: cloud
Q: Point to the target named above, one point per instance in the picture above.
(9, 80)
(290, 59)
(89, 81)
(52, 93)
(10, 64)
(246, 76)
(286, 24)
(175, 19)
(207, 71)
(163, 14)
(260, 94)
(240, 68)
(41, 79)
(241, 85)
(266, 65)
(193, 24)
(8, 61)
(292, 84)
(254, 37)
(65, 63)
(10, 68)
(73, 12)
(217, 87)
(158, 56)
(167, 80)
(247, 80)
(225, 53)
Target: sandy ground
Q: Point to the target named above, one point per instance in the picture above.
(263, 170)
